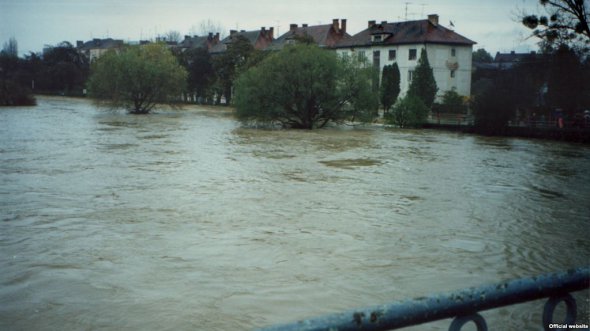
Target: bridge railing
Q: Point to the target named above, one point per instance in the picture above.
(463, 306)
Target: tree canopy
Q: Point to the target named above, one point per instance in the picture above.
(137, 78)
(409, 111)
(423, 84)
(303, 86)
(564, 22)
(229, 64)
(481, 55)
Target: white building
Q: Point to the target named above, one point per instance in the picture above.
(449, 53)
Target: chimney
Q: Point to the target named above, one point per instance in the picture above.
(343, 25)
(210, 36)
(79, 43)
(187, 37)
(216, 39)
(383, 22)
(292, 27)
(232, 32)
(271, 32)
(433, 18)
(304, 25)
(335, 25)
(372, 23)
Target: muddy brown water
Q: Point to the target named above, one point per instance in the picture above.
(184, 220)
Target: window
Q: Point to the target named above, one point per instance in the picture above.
(412, 54)
(345, 55)
(362, 54)
(453, 52)
(410, 75)
(377, 59)
(391, 54)
(452, 73)
(377, 38)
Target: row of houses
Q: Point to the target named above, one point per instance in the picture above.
(382, 43)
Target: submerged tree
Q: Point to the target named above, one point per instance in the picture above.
(137, 78)
(423, 84)
(409, 111)
(390, 80)
(305, 87)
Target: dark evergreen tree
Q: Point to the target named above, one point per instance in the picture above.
(423, 84)
(390, 80)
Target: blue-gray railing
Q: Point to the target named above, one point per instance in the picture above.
(462, 305)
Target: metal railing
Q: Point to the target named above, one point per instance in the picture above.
(462, 305)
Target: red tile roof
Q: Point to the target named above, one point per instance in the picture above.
(409, 32)
(324, 35)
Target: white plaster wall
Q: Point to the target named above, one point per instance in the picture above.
(439, 57)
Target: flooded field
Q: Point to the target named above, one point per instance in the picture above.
(185, 220)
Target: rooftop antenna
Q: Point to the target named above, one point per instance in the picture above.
(423, 5)
(278, 27)
(407, 3)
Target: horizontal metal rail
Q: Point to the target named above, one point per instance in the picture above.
(463, 305)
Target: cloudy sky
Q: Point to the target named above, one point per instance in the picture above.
(35, 23)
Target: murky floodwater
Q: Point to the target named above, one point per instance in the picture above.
(184, 220)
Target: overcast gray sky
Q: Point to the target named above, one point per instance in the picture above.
(34, 23)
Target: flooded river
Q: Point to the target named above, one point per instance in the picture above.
(184, 220)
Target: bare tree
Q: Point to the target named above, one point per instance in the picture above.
(10, 47)
(565, 22)
(208, 26)
(173, 35)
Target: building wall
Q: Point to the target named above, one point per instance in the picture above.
(440, 57)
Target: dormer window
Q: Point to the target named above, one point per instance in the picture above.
(377, 38)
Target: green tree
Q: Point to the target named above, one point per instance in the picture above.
(137, 78)
(564, 22)
(199, 66)
(452, 102)
(409, 111)
(14, 81)
(228, 65)
(357, 80)
(390, 80)
(302, 86)
(423, 84)
(481, 55)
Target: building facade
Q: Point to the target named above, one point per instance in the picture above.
(449, 53)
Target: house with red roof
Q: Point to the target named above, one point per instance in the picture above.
(325, 35)
(449, 53)
(259, 39)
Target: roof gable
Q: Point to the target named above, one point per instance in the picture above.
(409, 32)
(259, 39)
(325, 35)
